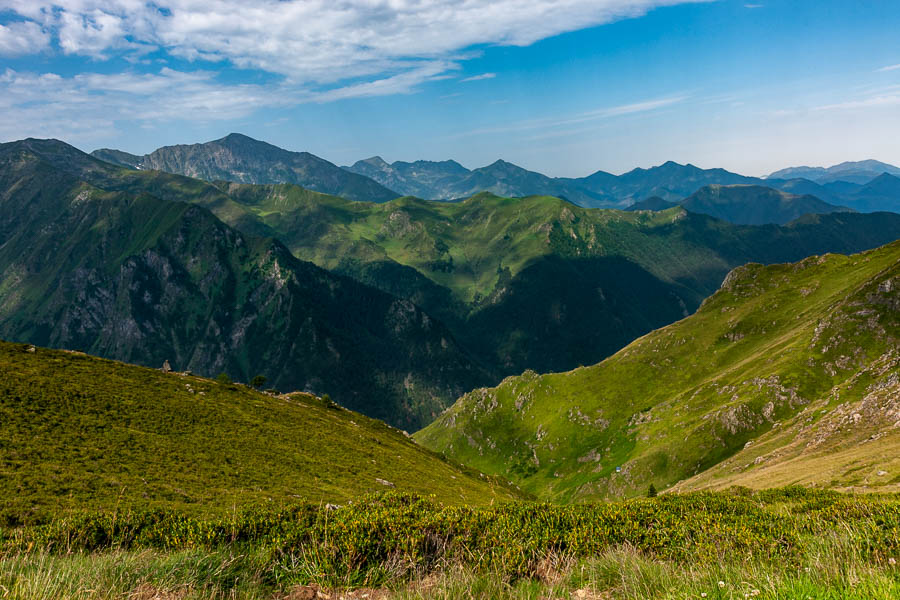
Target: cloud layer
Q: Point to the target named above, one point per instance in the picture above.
(305, 40)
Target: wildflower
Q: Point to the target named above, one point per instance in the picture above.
(892, 561)
(721, 584)
(703, 594)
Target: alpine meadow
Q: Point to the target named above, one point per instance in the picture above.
(438, 300)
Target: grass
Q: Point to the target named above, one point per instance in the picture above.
(81, 432)
(787, 369)
(702, 545)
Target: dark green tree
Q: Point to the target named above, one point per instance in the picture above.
(223, 378)
(258, 381)
(651, 491)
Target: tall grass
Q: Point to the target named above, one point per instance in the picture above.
(790, 544)
(831, 572)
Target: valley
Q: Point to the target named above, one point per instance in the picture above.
(786, 366)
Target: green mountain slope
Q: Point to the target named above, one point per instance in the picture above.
(796, 344)
(137, 278)
(537, 282)
(240, 158)
(84, 433)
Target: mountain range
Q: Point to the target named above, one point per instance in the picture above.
(238, 158)
(745, 204)
(789, 374)
(421, 301)
(859, 172)
(670, 181)
(534, 282)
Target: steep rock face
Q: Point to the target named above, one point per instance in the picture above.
(242, 159)
(145, 280)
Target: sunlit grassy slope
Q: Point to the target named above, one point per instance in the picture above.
(80, 432)
(789, 373)
(467, 246)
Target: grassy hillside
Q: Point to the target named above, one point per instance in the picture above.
(81, 432)
(811, 345)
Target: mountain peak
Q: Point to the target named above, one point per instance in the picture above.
(503, 165)
(234, 140)
(237, 137)
(375, 161)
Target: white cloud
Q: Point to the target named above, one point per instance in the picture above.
(402, 83)
(479, 77)
(49, 105)
(88, 105)
(889, 68)
(314, 40)
(23, 37)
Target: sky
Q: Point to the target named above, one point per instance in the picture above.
(564, 87)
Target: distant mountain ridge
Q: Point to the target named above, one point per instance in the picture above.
(859, 172)
(670, 182)
(242, 159)
(433, 181)
(745, 204)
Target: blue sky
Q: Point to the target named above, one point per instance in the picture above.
(565, 87)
